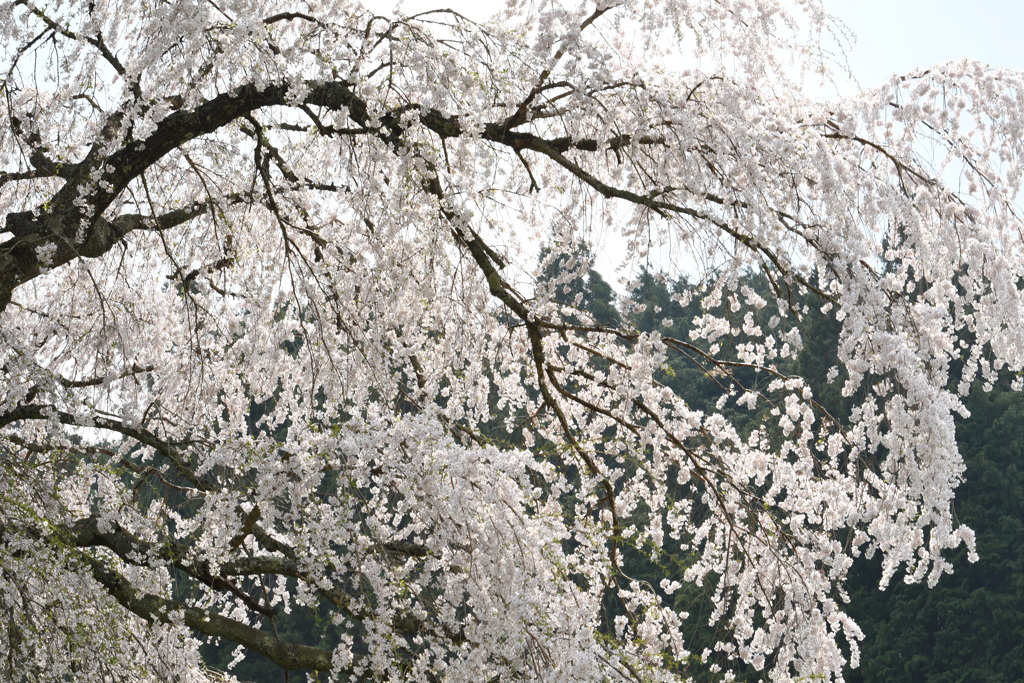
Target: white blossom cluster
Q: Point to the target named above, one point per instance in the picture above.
(272, 337)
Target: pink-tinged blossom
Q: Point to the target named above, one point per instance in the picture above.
(273, 336)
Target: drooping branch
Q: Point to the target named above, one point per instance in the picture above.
(87, 534)
(151, 607)
(139, 434)
(91, 533)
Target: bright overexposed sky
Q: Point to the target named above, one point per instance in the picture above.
(896, 36)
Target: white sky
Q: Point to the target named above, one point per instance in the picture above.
(896, 36)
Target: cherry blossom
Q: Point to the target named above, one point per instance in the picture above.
(273, 335)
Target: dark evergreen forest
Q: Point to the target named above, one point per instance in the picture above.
(967, 629)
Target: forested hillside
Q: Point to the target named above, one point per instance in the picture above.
(969, 627)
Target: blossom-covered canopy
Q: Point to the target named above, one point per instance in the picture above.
(273, 336)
